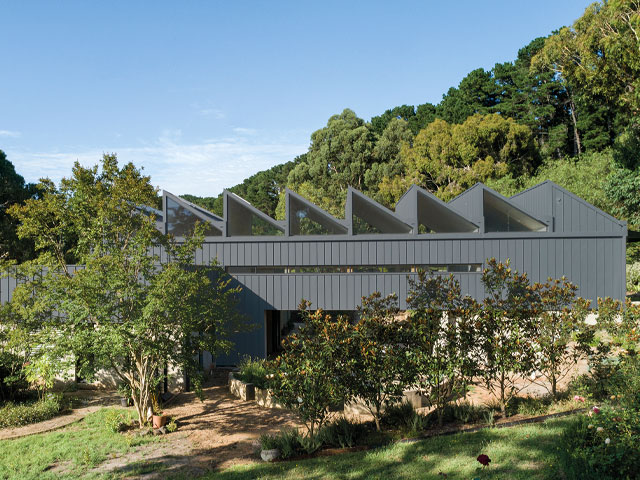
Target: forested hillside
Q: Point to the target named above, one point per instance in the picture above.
(565, 109)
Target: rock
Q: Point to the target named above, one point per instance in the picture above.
(270, 455)
(143, 432)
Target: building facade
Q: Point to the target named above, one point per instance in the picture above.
(544, 231)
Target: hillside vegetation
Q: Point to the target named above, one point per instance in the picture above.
(566, 109)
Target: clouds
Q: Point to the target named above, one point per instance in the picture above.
(9, 134)
(204, 168)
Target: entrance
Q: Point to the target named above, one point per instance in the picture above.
(272, 331)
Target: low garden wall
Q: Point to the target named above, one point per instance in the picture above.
(245, 391)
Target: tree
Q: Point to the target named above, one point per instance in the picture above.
(387, 157)
(447, 159)
(380, 370)
(506, 329)
(443, 341)
(262, 190)
(476, 94)
(561, 320)
(598, 61)
(339, 156)
(310, 372)
(122, 310)
(416, 117)
(535, 98)
(13, 189)
(582, 176)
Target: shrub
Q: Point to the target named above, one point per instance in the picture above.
(590, 456)
(404, 416)
(309, 376)
(443, 338)
(342, 433)
(288, 441)
(507, 327)
(115, 420)
(13, 383)
(172, 426)
(562, 315)
(606, 445)
(467, 412)
(253, 370)
(381, 370)
(633, 277)
(16, 415)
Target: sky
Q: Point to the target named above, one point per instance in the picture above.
(203, 94)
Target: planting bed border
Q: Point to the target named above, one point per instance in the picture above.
(329, 452)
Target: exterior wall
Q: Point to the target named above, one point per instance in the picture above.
(596, 263)
(571, 214)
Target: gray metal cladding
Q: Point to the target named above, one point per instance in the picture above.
(594, 263)
(569, 212)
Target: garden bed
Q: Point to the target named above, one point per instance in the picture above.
(242, 390)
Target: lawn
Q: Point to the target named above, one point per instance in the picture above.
(67, 453)
(529, 452)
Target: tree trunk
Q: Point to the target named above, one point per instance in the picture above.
(503, 403)
(577, 145)
(554, 387)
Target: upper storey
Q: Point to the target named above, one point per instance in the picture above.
(543, 208)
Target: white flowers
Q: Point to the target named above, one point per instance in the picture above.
(607, 441)
(599, 429)
(299, 399)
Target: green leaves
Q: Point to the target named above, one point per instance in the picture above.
(122, 310)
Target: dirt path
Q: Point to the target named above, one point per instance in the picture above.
(48, 425)
(224, 430)
(92, 400)
(214, 434)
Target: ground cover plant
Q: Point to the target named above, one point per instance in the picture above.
(75, 449)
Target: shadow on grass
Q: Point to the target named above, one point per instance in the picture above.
(528, 452)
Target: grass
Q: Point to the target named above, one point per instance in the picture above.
(529, 452)
(77, 449)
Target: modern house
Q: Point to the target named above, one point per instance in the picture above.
(545, 231)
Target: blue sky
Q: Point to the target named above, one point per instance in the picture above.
(203, 94)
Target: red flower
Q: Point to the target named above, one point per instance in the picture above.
(484, 460)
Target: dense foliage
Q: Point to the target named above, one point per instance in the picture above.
(563, 110)
(17, 415)
(13, 189)
(123, 310)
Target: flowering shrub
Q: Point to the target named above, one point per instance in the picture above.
(16, 415)
(309, 376)
(633, 277)
(605, 443)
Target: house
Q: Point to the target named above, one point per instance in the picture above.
(544, 231)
